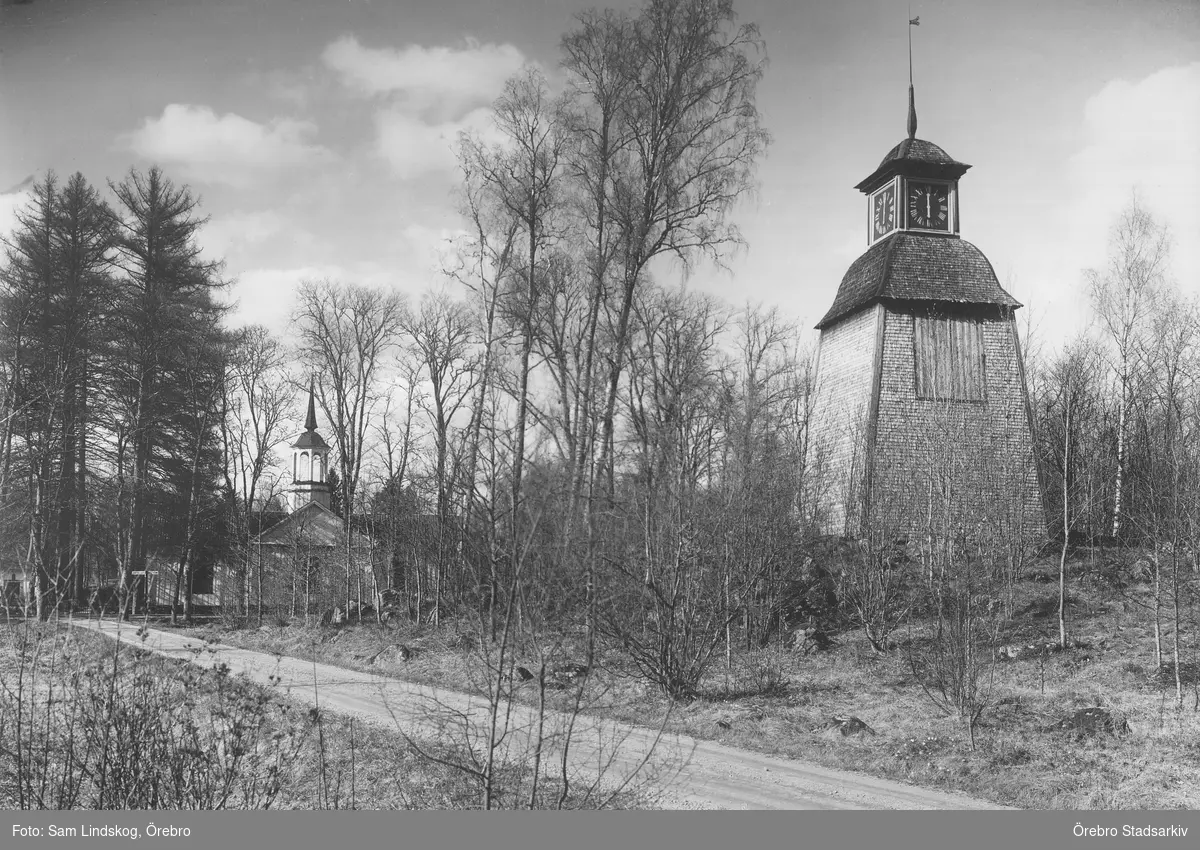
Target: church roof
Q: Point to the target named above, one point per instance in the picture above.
(917, 267)
(916, 158)
(309, 440)
(918, 150)
(311, 525)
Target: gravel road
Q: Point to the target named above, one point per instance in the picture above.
(683, 772)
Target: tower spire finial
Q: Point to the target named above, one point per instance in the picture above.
(310, 422)
(912, 100)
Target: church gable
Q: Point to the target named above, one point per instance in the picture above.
(312, 525)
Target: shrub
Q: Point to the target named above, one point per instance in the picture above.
(102, 727)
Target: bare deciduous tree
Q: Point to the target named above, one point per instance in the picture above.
(440, 341)
(255, 401)
(346, 331)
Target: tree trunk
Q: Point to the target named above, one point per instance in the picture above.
(1157, 609)
(1062, 561)
(1120, 475)
(79, 542)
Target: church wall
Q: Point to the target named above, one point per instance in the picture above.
(989, 477)
(299, 578)
(161, 581)
(845, 368)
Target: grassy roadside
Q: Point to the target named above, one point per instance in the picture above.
(779, 702)
(88, 724)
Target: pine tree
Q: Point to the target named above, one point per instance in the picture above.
(56, 289)
(163, 321)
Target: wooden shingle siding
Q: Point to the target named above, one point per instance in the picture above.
(841, 410)
(981, 451)
(949, 357)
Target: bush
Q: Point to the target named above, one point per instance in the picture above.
(100, 727)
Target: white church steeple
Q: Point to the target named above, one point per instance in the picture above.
(310, 461)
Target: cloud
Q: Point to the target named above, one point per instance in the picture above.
(428, 95)
(295, 87)
(413, 147)
(223, 148)
(447, 80)
(425, 238)
(12, 201)
(433, 248)
(24, 185)
(1142, 136)
(224, 232)
(268, 295)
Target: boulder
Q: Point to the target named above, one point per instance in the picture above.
(1189, 674)
(463, 640)
(1019, 652)
(570, 673)
(848, 725)
(812, 640)
(333, 617)
(1090, 722)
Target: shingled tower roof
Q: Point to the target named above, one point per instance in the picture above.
(915, 158)
(918, 267)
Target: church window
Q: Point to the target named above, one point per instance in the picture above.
(949, 359)
(318, 467)
(304, 467)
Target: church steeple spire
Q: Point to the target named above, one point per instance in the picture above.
(310, 422)
(310, 459)
(912, 99)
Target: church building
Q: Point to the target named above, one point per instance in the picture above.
(922, 417)
(298, 560)
(303, 558)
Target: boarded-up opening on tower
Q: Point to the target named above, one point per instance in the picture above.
(949, 359)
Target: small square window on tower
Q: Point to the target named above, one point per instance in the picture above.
(949, 359)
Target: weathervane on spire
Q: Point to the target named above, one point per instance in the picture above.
(912, 100)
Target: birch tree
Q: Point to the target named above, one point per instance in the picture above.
(1123, 293)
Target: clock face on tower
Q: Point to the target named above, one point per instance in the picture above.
(883, 211)
(929, 206)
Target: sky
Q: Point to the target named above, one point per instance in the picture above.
(318, 133)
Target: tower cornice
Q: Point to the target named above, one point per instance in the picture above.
(913, 158)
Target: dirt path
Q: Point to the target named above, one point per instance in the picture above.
(687, 773)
